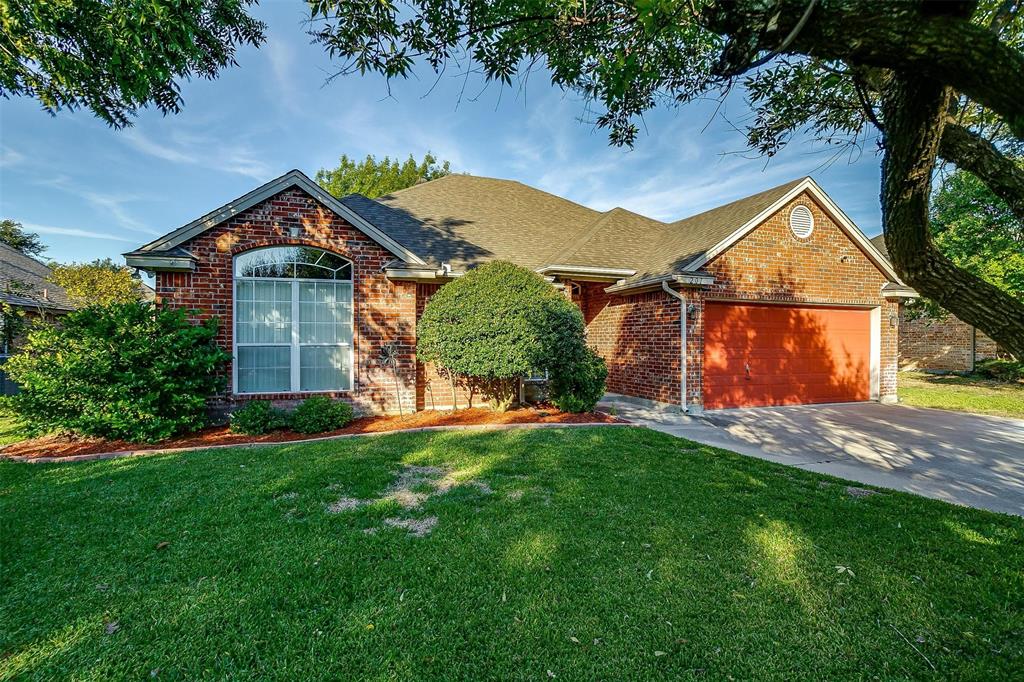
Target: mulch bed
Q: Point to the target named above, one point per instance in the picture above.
(56, 446)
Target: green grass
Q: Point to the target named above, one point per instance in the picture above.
(601, 554)
(10, 430)
(965, 394)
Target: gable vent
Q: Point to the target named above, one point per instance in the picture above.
(801, 221)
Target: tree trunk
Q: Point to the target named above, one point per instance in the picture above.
(915, 110)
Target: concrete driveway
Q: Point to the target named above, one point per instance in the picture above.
(968, 459)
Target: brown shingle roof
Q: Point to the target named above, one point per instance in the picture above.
(879, 243)
(465, 220)
(24, 282)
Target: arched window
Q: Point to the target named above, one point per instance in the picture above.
(293, 321)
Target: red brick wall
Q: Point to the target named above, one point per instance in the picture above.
(639, 338)
(773, 264)
(384, 311)
(945, 344)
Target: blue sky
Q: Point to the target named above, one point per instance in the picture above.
(93, 192)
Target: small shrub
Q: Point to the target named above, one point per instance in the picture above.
(319, 414)
(496, 324)
(126, 371)
(577, 387)
(257, 417)
(1000, 370)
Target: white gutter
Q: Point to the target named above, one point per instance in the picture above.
(682, 350)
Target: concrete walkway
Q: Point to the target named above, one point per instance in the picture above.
(963, 458)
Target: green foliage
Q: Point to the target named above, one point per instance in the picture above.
(579, 386)
(319, 414)
(257, 417)
(1000, 369)
(373, 178)
(117, 57)
(497, 324)
(14, 235)
(100, 282)
(124, 371)
(979, 232)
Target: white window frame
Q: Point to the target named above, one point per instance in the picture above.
(294, 346)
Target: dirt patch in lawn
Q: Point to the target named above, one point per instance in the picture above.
(70, 446)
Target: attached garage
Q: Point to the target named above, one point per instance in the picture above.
(757, 355)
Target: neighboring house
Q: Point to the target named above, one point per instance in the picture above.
(24, 288)
(779, 297)
(946, 344)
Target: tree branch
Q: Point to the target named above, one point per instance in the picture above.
(981, 158)
(946, 48)
(915, 110)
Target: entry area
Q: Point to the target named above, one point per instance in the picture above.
(762, 354)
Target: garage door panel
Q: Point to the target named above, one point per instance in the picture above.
(785, 355)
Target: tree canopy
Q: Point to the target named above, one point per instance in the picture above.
(115, 57)
(927, 78)
(13, 234)
(373, 178)
(101, 282)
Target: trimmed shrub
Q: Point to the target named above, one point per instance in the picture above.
(125, 371)
(579, 386)
(257, 417)
(1000, 370)
(496, 324)
(319, 414)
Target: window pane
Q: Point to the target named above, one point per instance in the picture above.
(264, 369)
(303, 262)
(324, 368)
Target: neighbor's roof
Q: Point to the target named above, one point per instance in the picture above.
(24, 282)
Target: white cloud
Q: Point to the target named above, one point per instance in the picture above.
(203, 150)
(9, 157)
(73, 232)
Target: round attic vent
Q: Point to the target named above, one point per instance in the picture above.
(801, 221)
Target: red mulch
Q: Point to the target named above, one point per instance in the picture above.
(69, 446)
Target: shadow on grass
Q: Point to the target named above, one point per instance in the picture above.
(600, 553)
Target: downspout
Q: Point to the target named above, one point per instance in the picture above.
(682, 346)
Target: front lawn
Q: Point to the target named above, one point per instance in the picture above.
(10, 430)
(966, 394)
(572, 554)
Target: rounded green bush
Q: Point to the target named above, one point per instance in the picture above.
(498, 323)
(126, 371)
(257, 417)
(319, 414)
(578, 386)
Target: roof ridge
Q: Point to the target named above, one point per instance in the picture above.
(509, 181)
(788, 185)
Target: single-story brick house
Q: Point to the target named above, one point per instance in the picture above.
(946, 345)
(777, 298)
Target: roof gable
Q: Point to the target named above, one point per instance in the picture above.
(838, 216)
(167, 247)
(35, 289)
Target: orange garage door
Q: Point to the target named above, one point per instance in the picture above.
(785, 355)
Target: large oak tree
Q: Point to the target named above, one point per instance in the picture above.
(936, 81)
